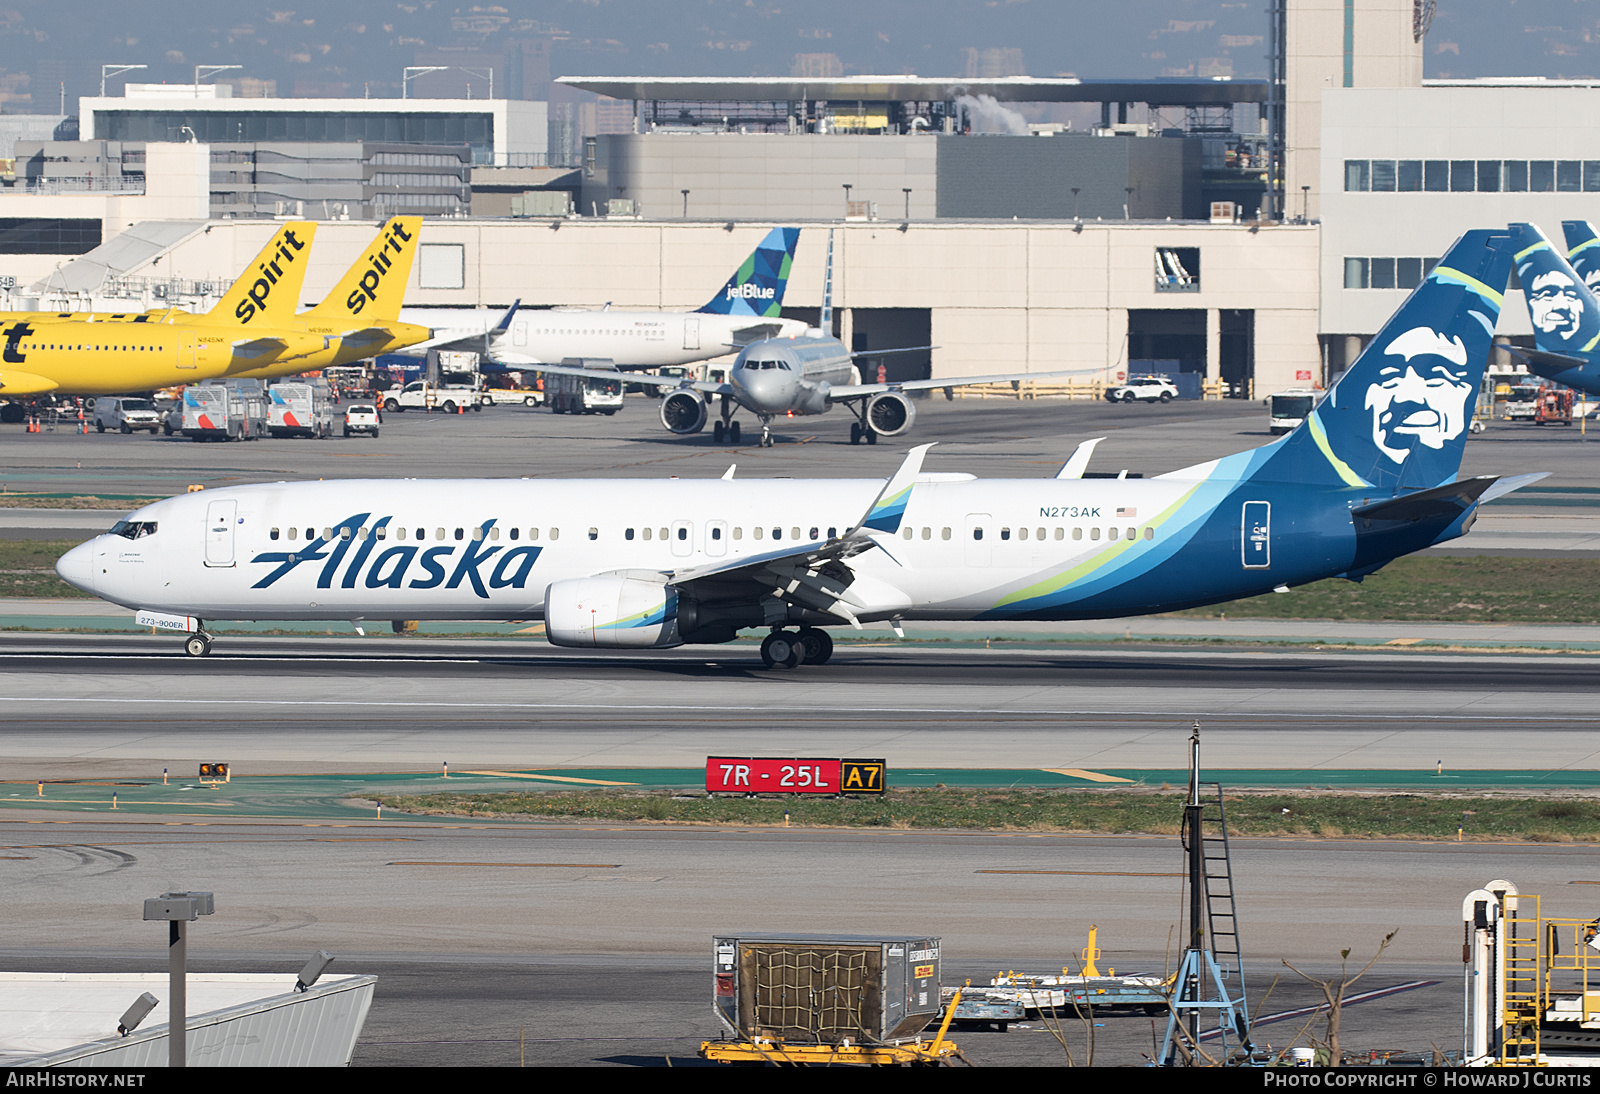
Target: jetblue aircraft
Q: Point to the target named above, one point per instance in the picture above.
(1562, 305)
(748, 307)
(1370, 475)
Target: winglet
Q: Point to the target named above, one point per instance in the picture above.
(890, 505)
(1078, 462)
(728, 474)
(505, 320)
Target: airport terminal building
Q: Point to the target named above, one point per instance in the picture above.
(1254, 232)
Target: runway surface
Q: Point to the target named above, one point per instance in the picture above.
(131, 705)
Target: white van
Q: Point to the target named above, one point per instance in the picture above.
(126, 413)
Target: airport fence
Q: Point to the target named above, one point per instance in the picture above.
(1071, 389)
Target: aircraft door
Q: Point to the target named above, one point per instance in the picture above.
(716, 538)
(188, 351)
(219, 532)
(682, 538)
(1255, 538)
(977, 540)
(519, 334)
(691, 332)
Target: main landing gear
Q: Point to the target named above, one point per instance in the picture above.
(197, 644)
(791, 649)
(860, 432)
(726, 428)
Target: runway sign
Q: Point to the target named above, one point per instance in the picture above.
(794, 775)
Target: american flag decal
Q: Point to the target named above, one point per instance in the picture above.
(1127, 512)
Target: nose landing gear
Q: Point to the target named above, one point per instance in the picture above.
(766, 431)
(197, 644)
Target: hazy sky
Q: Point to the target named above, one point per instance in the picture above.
(363, 44)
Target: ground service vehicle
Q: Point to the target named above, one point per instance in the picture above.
(361, 418)
(568, 394)
(421, 395)
(126, 413)
(300, 408)
(225, 410)
(1287, 409)
(1143, 389)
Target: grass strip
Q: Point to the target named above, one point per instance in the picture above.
(1439, 589)
(120, 502)
(28, 568)
(1341, 815)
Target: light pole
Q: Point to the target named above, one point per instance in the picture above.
(1305, 204)
(179, 910)
(906, 190)
(411, 72)
(108, 71)
(847, 186)
(1127, 208)
(1076, 190)
(205, 72)
(685, 204)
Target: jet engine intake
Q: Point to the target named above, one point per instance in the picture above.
(612, 611)
(683, 412)
(890, 414)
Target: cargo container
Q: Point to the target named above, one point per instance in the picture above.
(826, 989)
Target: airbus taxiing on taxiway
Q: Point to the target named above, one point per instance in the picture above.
(1370, 475)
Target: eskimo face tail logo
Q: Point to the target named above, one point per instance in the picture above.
(1555, 304)
(1423, 398)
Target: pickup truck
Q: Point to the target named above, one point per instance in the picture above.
(421, 395)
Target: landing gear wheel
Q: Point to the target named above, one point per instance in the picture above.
(818, 645)
(782, 650)
(718, 432)
(197, 644)
(872, 436)
(733, 432)
(855, 433)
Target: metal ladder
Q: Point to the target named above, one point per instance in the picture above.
(1524, 989)
(1221, 916)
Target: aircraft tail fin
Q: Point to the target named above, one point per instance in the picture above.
(373, 289)
(1564, 310)
(756, 287)
(267, 293)
(1399, 417)
(1583, 250)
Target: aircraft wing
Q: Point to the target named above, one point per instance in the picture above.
(813, 575)
(658, 382)
(841, 392)
(470, 341)
(251, 348)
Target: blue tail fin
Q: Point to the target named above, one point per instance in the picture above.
(1399, 416)
(1583, 251)
(1564, 310)
(756, 288)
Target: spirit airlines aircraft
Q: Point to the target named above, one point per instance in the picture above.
(1369, 476)
(1561, 304)
(252, 327)
(748, 307)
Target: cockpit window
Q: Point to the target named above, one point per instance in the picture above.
(134, 529)
(763, 365)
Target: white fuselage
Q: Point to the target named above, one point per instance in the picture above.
(488, 549)
(631, 339)
(790, 375)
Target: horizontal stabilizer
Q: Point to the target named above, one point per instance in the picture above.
(251, 348)
(1439, 503)
(839, 392)
(886, 352)
(1502, 487)
(745, 335)
(365, 336)
(1557, 361)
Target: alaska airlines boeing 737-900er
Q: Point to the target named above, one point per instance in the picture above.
(1370, 475)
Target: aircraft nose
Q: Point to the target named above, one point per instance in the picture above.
(766, 391)
(76, 567)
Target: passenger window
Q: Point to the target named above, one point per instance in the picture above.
(777, 533)
(907, 533)
(533, 533)
(494, 533)
(944, 533)
(1077, 533)
(977, 533)
(461, 533)
(663, 533)
(1149, 533)
(756, 532)
(1022, 533)
(627, 534)
(683, 534)
(381, 531)
(1111, 533)
(1094, 533)
(400, 533)
(1041, 534)
(833, 532)
(794, 533)
(716, 533)
(738, 533)
(813, 533)
(273, 534)
(555, 533)
(422, 533)
(327, 533)
(438, 533)
(477, 535)
(292, 532)
(1005, 533)
(647, 533)
(927, 533)
(516, 533)
(1133, 533)
(594, 533)
(344, 533)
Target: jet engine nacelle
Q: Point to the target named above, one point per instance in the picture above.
(683, 412)
(613, 611)
(890, 414)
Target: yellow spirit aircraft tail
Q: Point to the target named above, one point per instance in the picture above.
(373, 289)
(267, 293)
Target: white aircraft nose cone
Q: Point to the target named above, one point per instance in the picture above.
(76, 567)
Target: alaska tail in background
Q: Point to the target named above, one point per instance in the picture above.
(1398, 419)
(267, 293)
(373, 289)
(1563, 309)
(1583, 251)
(756, 288)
